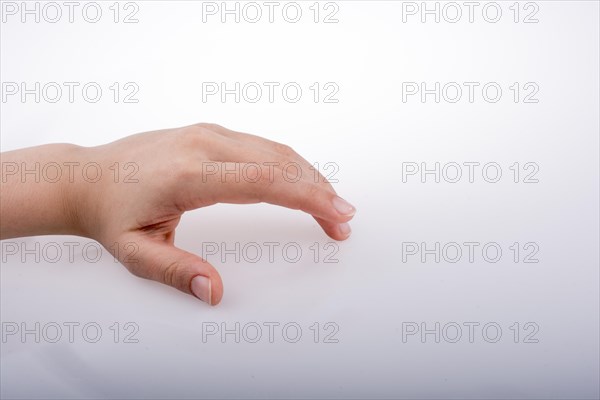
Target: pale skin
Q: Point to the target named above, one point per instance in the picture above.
(176, 170)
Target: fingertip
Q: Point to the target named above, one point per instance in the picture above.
(207, 286)
(345, 230)
(344, 209)
(201, 287)
(336, 231)
(217, 291)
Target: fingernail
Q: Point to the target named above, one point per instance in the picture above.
(345, 228)
(201, 288)
(342, 206)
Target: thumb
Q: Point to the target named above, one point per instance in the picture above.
(163, 262)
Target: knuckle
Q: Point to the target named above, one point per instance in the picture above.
(169, 273)
(284, 149)
(191, 137)
(195, 135)
(209, 126)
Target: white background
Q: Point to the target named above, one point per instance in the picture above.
(370, 294)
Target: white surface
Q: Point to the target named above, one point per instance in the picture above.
(369, 133)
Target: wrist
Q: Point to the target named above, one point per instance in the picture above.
(36, 193)
(73, 190)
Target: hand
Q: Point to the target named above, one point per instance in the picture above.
(179, 170)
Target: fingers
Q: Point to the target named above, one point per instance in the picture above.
(281, 151)
(244, 183)
(311, 193)
(245, 147)
(165, 263)
(335, 231)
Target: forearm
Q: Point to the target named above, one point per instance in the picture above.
(34, 192)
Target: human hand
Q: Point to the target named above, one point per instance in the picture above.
(179, 170)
